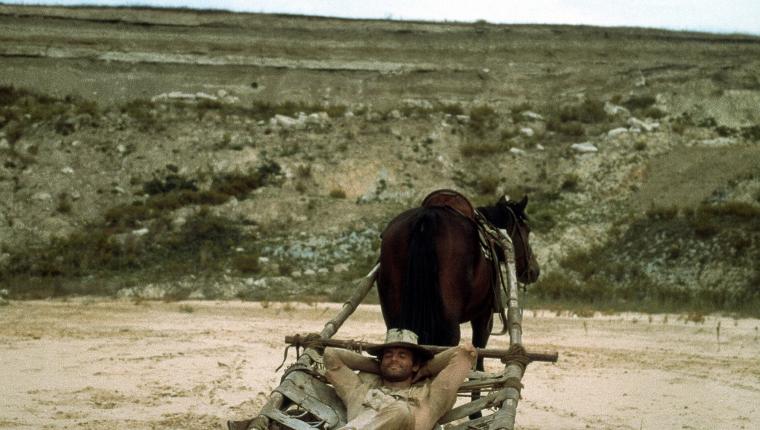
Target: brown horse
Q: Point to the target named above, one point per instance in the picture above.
(433, 275)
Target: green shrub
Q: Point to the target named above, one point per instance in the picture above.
(453, 109)
(481, 149)
(589, 112)
(127, 215)
(731, 208)
(13, 131)
(662, 212)
(9, 94)
(569, 128)
(171, 182)
(247, 263)
(654, 112)
(142, 111)
(751, 132)
(63, 205)
(483, 118)
(487, 184)
(186, 309)
(207, 231)
(640, 145)
(337, 193)
(239, 184)
(303, 171)
(89, 107)
(571, 182)
(639, 102)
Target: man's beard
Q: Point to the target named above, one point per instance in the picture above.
(397, 375)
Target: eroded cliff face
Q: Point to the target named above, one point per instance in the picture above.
(176, 153)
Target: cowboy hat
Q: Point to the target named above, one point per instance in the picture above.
(401, 338)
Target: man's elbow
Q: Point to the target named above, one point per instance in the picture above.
(331, 359)
(467, 351)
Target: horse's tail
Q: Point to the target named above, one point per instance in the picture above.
(422, 307)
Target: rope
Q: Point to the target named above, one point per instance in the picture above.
(305, 369)
(517, 354)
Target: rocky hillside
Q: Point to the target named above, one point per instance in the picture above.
(171, 154)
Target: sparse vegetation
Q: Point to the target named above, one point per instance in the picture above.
(481, 149)
(615, 274)
(483, 118)
(133, 188)
(337, 193)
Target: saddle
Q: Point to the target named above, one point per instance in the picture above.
(452, 200)
(490, 238)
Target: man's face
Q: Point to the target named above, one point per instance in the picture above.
(397, 364)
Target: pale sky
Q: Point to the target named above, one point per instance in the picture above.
(727, 16)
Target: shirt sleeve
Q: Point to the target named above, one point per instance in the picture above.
(449, 369)
(339, 369)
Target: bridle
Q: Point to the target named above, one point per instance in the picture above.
(523, 241)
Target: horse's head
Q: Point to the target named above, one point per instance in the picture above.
(511, 216)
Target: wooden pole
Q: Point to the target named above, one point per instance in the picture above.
(277, 400)
(504, 418)
(302, 340)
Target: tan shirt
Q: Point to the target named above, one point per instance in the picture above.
(425, 401)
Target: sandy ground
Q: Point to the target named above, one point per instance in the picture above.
(94, 364)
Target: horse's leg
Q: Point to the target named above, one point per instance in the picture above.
(481, 330)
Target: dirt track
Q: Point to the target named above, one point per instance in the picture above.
(105, 365)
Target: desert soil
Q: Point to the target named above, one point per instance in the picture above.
(95, 364)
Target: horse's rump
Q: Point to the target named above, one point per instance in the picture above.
(429, 262)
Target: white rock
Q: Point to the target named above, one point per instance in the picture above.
(585, 147)
(76, 143)
(527, 131)
(464, 119)
(348, 114)
(221, 94)
(422, 104)
(140, 232)
(285, 121)
(76, 195)
(316, 118)
(4, 145)
(309, 272)
(121, 148)
(613, 109)
(540, 147)
(340, 268)
(178, 222)
(67, 170)
(249, 282)
(296, 274)
(643, 125)
(42, 196)
(322, 271)
(394, 114)
(263, 260)
(119, 190)
(177, 95)
(717, 142)
(532, 116)
(517, 151)
(239, 249)
(617, 131)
